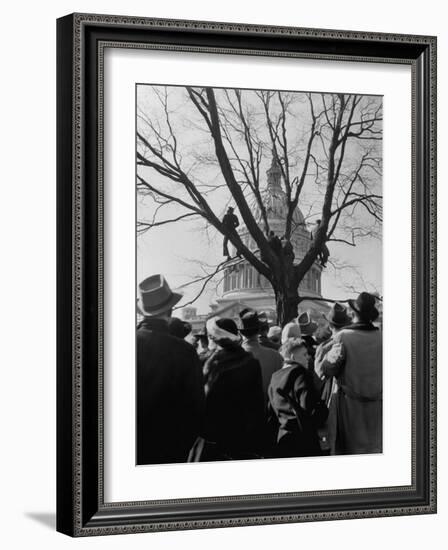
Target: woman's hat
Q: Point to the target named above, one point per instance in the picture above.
(290, 330)
(250, 322)
(156, 297)
(338, 316)
(222, 329)
(307, 326)
(364, 306)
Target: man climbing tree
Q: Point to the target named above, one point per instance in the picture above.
(230, 222)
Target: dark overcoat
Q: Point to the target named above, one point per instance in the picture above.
(234, 407)
(170, 395)
(292, 402)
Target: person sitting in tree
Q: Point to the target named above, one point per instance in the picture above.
(230, 222)
(275, 243)
(288, 250)
(324, 253)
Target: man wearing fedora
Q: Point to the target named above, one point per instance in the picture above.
(170, 392)
(307, 329)
(270, 360)
(355, 360)
(337, 319)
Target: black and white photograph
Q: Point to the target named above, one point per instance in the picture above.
(259, 262)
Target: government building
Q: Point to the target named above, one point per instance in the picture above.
(243, 286)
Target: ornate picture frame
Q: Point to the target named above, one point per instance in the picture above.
(81, 506)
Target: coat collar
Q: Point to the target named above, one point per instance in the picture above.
(156, 324)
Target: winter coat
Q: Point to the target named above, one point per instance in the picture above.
(270, 361)
(234, 407)
(355, 360)
(293, 400)
(170, 395)
(268, 343)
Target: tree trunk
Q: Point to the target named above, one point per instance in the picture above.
(286, 303)
(286, 293)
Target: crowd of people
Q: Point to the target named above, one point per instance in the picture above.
(247, 390)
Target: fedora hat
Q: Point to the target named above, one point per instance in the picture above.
(364, 306)
(338, 316)
(250, 321)
(307, 326)
(156, 296)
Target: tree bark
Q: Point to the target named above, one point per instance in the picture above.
(286, 292)
(286, 303)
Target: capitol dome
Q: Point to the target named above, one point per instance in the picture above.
(242, 283)
(274, 199)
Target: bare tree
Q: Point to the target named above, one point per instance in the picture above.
(326, 145)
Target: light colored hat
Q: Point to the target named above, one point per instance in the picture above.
(275, 333)
(290, 330)
(156, 297)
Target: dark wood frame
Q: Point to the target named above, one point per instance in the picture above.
(81, 510)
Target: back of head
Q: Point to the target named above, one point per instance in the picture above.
(364, 307)
(250, 323)
(290, 345)
(179, 328)
(275, 334)
(228, 325)
(290, 330)
(223, 331)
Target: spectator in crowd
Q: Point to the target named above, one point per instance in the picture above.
(295, 405)
(179, 328)
(307, 329)
(170, 393)
(337, 319)
(354, 358)
(234, 404)
(270, 360)
(202, 348)
(263, 338)
(290, 330)
(275, 335)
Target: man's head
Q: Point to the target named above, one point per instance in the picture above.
(364, 307)
(156, 297)
(338, 317)
(307, 325)
(177, 327)
(230, 209)
(251, 323)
